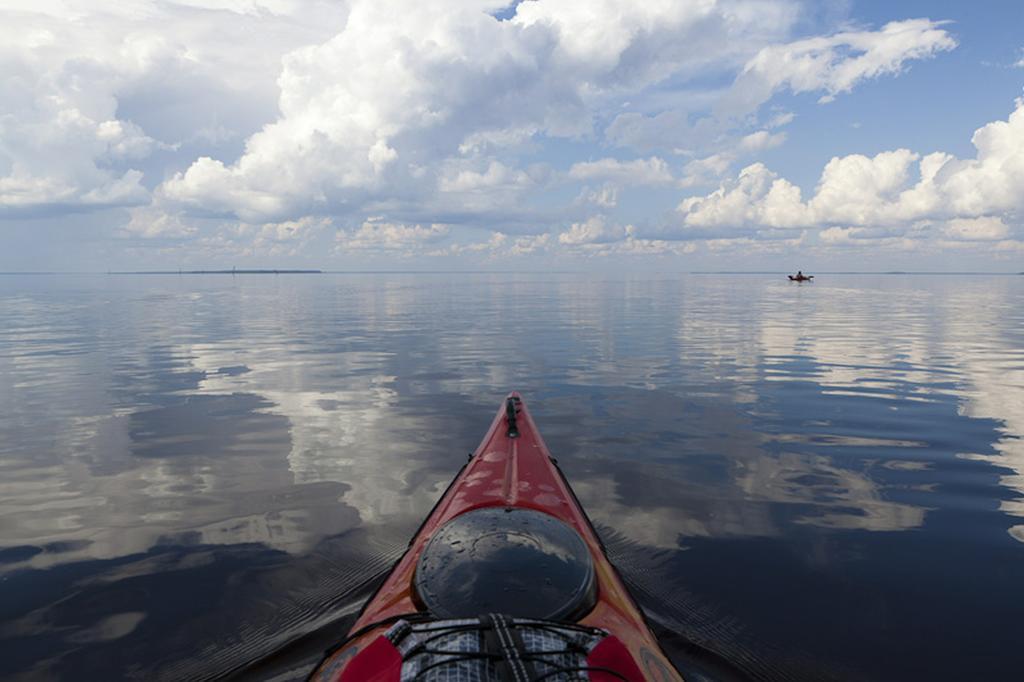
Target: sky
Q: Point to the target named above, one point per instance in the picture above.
(596, 135)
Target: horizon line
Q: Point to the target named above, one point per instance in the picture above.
(288, 271)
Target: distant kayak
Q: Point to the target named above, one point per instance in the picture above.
(505, 580)
(800, 278)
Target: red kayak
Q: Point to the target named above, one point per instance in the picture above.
(505, 580)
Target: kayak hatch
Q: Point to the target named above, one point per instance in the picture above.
(505, 580)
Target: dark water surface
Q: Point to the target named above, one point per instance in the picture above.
(817, 481)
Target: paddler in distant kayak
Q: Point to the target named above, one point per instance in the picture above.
(800, 277)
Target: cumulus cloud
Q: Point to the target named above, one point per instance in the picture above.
(897, 187)
(493, 245)
(496, 176)
(606, 196)
(498, 246)
(375, 235)
(597, 236)
(150, 222)
(706, 170)
(864, 237)
(652, 171)
(594, 230)
(522, 246)
(839, 235)
(407, 86)
(988, 228)
(57, 156)
(290, 231)
(77, 120)
(61, 145)
(403, 118)
(711, 168)
(600, 237)
(761, 140)
(625, 242)
(757, 197)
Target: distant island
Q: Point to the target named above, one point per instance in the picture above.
(218, 272)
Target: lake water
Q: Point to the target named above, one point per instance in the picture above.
(205, 474)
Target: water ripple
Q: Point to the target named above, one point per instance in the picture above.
(206, 475)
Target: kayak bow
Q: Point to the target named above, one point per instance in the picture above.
(506, 580)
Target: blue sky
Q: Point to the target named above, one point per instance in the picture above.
(598, 135)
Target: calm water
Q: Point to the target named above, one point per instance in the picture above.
(199, 474)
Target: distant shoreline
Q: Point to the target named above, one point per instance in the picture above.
(218, 272)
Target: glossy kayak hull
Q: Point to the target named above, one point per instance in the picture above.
(511, 469)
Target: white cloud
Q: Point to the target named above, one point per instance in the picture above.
(781, 119)
(522, 246)
(859, 190)
(632, 245)
(498, 245)
(599, 237)
(592, 231)
(636, 246)
(77, 120)
(831, 64)
(289, 231)
(152, 221)
(988, 228)
(595, 237)
(497, 175)
(493, 245)
(643, 131)
(706, 170)
(711, 168)
(56, 152)
(868, 238)
(652, 171)
(758, 197)
(606, 196)
(760, 141)
(384, 236)
(890, 189)
(838, 235)
(243, 124)
(379, 111)
(835, 64)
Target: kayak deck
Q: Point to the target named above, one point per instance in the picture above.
(512, 469)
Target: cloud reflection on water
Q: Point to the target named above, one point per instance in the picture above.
(987, 327)
(293, 416)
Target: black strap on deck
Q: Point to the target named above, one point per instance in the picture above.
(502, 639)
(511, 410)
